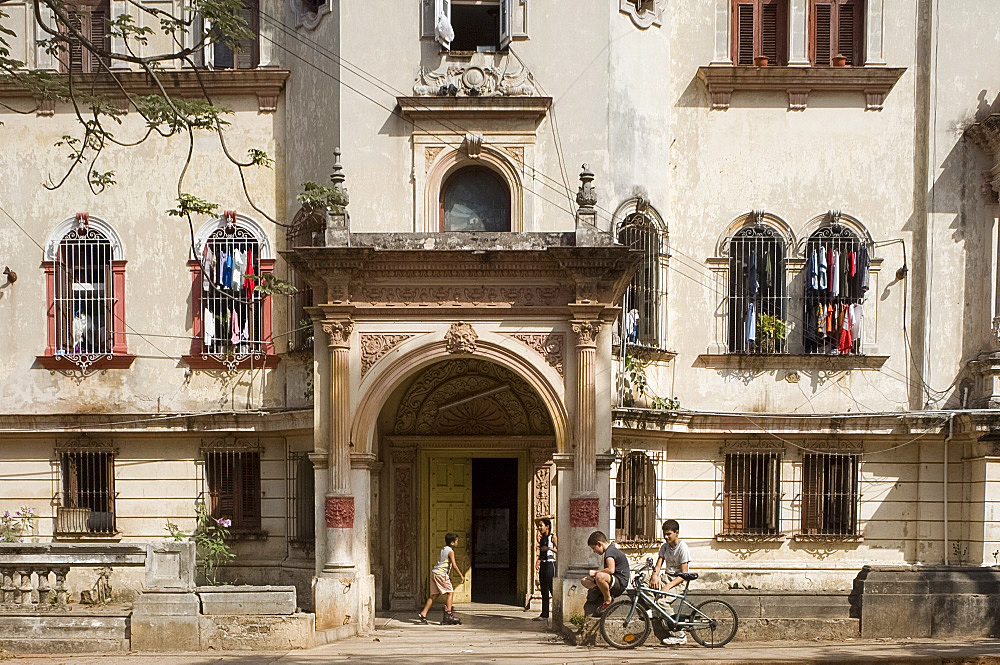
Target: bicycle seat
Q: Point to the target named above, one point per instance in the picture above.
(688, 576)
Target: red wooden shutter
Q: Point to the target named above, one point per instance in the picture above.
(823, 39)
(744, 34)
(849, 35)
(769, 28)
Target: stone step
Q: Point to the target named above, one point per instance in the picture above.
(780, 604)
(63, 634)
(753, 630)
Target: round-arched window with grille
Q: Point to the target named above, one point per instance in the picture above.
(758, 296)
(643, 318)
(836, 276)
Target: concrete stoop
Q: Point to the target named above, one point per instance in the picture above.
(64, 633)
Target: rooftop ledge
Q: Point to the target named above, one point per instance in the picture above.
(874, 82)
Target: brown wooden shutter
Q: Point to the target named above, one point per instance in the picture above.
(812, 494)
(745, 32)
(823, 35)
(71, 480)
(769, 28)
(79, 21)
(734, 495)
(247, 57)
(849, 36)
(99, 35)
(249, 492)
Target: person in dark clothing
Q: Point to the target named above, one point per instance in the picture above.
(546, 563)
(612, 579)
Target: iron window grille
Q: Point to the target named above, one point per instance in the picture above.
(836, 279)
(233, 488)
(87, 502)
(751, 494)
(301, 518)
(643, 319)
(234, 328)
(635, 498)
(302, 232)
(830, 494)
(84, 296)
(758, 296)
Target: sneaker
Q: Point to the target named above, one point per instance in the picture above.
(680, 638)
(540, 618)
(600, 610)
(422, 619)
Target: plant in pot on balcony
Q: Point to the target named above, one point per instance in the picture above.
(771, 332)
(840, 60)
(760, 61)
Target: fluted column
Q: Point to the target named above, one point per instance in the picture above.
(585, 469)
(339, 505)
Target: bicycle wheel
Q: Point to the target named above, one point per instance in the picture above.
(622, 631)
(715, 623)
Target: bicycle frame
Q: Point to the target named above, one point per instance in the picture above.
(649, 596)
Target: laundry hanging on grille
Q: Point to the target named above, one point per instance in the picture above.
(239, 265)
(208, 323)
(249, 280)
(632, 326)
(751, 323)
(234, 319)
(208, 267)
(82, 332)
(444, 34)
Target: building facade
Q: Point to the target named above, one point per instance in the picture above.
(766, 306)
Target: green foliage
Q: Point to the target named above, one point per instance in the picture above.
(260, 158)
(635, 374)
(318, 196)
(15, 528)
(578, 620)
(189, 204)
(269, 284)
(171, 114)
(770, 329)
(210, 540)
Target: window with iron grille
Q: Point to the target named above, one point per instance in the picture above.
(837, 263)
(830, 494)
(85, 288)
(87, 501)
(233, 487)
(245, 53)
(751, 493)
(301, 517)
(760, 29)
(301, 233)
(643, 318)
(89, 18)
(837, 28)
(231, 320)
(635, 499)
(757, 291)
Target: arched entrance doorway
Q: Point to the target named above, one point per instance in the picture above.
(467, 446)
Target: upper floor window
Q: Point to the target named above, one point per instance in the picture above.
(837, 30)
(472, 25)
(475, 198)
(757, 291)
(760, 30)
(643, 318)
(635, 498)
(232, 317)
(85, 287)
(91, 19)
(837, 277)
(245, 54)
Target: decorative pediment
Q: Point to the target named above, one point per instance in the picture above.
(230, 444)
(482, 76)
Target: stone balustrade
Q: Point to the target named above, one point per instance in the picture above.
(32, 588)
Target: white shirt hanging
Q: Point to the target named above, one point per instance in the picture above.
(443, 32)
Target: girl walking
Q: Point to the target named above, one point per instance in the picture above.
(441, 581)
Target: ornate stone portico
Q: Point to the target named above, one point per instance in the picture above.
(446, 347)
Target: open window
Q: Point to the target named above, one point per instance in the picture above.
(760, 30)
(471, 25)
(90, 19)
(244, 54)
(643, 319)
(830, 494)
(757, 291)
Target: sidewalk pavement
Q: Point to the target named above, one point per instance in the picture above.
(499, 634)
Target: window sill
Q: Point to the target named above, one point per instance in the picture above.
(77, 536)
(61, 362)
(826, 538)
(240, 362)
(508, 108)
(642, 352)
(771, 361)
(873, 82)
(750, 537)
(255, 534)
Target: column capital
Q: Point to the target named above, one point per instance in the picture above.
(338, 332)
(586, 331)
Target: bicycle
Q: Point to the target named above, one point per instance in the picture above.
(626, 623)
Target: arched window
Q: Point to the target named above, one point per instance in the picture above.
(757, 292)
(232, 316)
(635, 498)
(475, 198)
(643, 321)
(305, 227)
(85, 284)
(837, 264)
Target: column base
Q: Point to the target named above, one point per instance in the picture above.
(344, 598)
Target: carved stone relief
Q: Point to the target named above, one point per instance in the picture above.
(403, 536)
(374, 346)
(339, 512)
(586, 332)
(339, 332)
(461, 338)
(474, 79)
(224, 443)
(523, 296)
(430, 154)
(583, 512)
(471, 397)
(542, 491)
(548, 345)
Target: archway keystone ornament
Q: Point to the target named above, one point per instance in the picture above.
(461, 338)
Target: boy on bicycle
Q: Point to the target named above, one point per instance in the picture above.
(612, 579)
(675, 554)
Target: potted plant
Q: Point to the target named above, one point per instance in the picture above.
(771, 333)
(760, 61)
(839, 60)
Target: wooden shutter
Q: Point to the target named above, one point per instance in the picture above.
(247, 56)
(850, 38)
(71, 480)
(734, 495)
(772, 492)
(812, 494)
(822, 33)
(744, 33)
(249, 492)
(426, 18)
(505, 23)
(99, 35)
(73, 53)
(769, 28)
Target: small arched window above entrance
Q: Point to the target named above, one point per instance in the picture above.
(475, 198)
